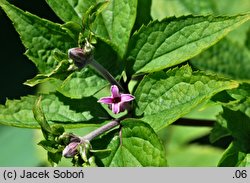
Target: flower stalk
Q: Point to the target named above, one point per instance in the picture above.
(100, 130)
(104, 73)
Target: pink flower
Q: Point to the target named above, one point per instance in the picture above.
(117, 101)
(70, 150)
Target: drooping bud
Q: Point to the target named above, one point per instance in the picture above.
(79, 57)
(70, 150)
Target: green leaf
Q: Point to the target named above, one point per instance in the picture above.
(238, 125)
(163, 44)
(140, 146)
(115, 23)
(57, 109)
(67, 10)
(41, 37)
(81, 84)
(227, 58)
(72, 10)
(219, 131)
(41, 119)
(107, 57)
(162, 98)
(248, 39)
(237, 99)
(59, 72)
(143, 16)
(163, 8)
(233, 157)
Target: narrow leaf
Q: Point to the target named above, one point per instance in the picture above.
(163, 44)
(41, 37)
(140, 146)
(57, 109)
(226, 57)
(162, 98)
(41, 119)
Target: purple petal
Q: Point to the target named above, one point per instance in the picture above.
(106, 100)
(70, 150)
(127, 97)
(123, 106)
(116, 108)
(115, 91)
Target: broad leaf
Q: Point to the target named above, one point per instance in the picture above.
(233, 157)
(41, 37)
(67, 10)
(163, 8)
(59, 72)
(139, 146)
(174, 40)
(226, 57)
(81, 84)
(57, 109)
(84, 82)
(162, 98)
(115, 23)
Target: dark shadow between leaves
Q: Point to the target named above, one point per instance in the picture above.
(88, 104)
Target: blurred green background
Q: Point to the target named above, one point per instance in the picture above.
(185, 146)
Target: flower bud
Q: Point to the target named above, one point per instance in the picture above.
(79, 57)
(70, 150)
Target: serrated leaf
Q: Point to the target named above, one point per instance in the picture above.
(57, 109)
(140, 146)
(226, 57)
(115, 23)
(41, 37)
(163, 44)
(81, 84)
(60, 72)
(162, 98)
